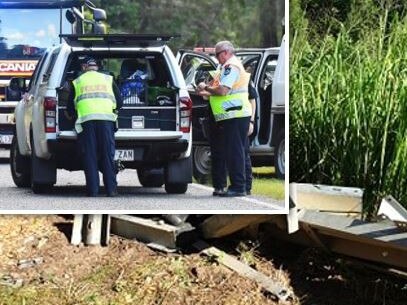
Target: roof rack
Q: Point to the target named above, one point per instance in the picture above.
(117, 40)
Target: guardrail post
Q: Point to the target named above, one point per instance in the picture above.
(91, 229)
(292, 216)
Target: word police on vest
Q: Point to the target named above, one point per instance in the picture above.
(93, 88)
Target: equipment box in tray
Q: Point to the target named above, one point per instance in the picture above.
(137, 93)
(134, 92)
(160, 96)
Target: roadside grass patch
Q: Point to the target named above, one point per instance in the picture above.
(265, 183)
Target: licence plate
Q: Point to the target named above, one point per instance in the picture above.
(137, 122)
(6, 139)
(124, 154)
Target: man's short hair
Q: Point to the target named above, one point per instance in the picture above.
(225, 45)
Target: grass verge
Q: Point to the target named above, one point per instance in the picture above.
(265, 184)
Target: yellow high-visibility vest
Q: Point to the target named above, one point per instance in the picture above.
(94, 98)
(236, 104)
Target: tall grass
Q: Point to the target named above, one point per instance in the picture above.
(348, 108)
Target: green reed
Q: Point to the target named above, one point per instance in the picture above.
(348, 109)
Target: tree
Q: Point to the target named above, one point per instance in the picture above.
(271, 16)
(247, 23)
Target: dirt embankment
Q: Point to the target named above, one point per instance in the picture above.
(36, 255)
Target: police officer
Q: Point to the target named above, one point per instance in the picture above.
(229, 103)
(95, 98)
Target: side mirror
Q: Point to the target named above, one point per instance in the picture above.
(99, 14)
(16, 88)
(98, 28)
(70, 16)
(17, 83)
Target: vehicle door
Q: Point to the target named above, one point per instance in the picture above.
(197, 67)
(261, 64)
(264, 87)
(24, 107)
(39, 93)
(251, 61)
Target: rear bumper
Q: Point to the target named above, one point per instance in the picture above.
(146, 153)
(131, 135)
(153, 153)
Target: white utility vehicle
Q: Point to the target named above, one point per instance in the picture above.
(154, 127)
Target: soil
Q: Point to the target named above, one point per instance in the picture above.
(39, 266)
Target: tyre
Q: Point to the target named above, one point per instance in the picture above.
(151, 177)
(279, 155)
(20, 166)
(176, 188)
(40, 188)
(201, 163)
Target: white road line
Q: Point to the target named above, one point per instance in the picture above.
(248, 199)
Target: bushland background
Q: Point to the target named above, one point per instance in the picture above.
(348, 95)
(247, 23)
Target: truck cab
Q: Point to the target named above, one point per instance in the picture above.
(267, 67)
(28, 28)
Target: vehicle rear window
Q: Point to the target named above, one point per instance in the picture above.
(51, 64)
(143, 78)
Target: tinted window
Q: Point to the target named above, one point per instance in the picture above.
(51, 64)
(34, 79)
(250, 62)
(268, 71)
(196, 69)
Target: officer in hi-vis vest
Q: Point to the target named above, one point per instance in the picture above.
(95, 98)
(228, 99)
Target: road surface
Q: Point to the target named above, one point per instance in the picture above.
(69, 195)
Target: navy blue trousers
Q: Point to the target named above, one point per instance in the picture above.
(248, 166)
(229, 146)
(235, 144)
(97, 148)
(218, 162)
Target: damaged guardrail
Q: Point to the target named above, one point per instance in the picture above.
(324, 224)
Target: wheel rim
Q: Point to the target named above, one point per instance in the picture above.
(202, 159)
(281, 156)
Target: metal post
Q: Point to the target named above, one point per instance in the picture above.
(76, 237)
(91, 229)
(292, 216)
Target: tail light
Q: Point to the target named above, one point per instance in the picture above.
(185, 114)
(50, 111)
